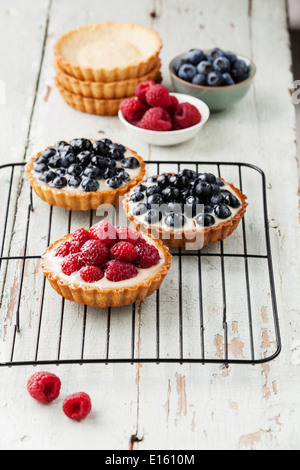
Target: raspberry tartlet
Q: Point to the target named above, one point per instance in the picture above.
(83, 174)
(185, 208)
(106, 266)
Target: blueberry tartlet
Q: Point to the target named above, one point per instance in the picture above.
(83, 174)
(106, 266)
(185, 208)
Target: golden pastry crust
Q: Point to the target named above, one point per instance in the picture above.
(105, 91)
(69, 44)
(180, 239)
(101, 107)
(80, 201)
(106, 297)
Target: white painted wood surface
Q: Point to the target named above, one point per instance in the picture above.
(166, 406)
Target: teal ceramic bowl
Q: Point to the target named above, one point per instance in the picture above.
(216, 98)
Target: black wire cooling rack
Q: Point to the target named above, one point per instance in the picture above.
(217, 305)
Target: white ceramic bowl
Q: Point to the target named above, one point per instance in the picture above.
(164, 138)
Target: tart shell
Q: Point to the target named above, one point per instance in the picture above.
(102, 90)
(101, 107)
(80, 201)
(104, 74)
(209, 235)
(106, 297)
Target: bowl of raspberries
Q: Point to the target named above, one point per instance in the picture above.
(219, 78)
(156, 116)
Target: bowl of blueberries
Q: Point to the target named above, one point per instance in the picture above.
(218, 78)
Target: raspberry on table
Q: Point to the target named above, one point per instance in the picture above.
(77, 406)
(186, 115)
(123, 251)
(104, 231)
(44, 387)
(141, 90)
(148, 255)
(158, 95)
(156, 119)
(132, 109)
(94, 252)
(78, 239)
(126, 234)
(119, 270)
(71, 264)
(63, 250)
(92, 273)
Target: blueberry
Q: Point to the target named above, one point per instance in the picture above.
(187, 72)
(214, 54)
(178, 64)
(81, 144)
(47, 177)
(109, 173)
(152, 179)
(230, 56)
(152, 190)
(191, 206)
(50, 152)
(207, 177)
(163, 181)
(155, 199)
(90, 171)
(137, 196)
(239, 70)
(171, 194)
(191, 174)
(208, 208)
(185, 193)
(173, 207)
(221, 64)
(74, 181)
(101, 148)
(232, 201)
(179, 182)
(139, 209)
(205, 67)
(205, 220)
(107, 141)
(60, 144)
(114, 182)
(116, 154)
(215, 79)
(75, 169)
(220, 182)
(89, 184)
(100, 162)
(123, 174)
(120, 147)
(153, 216)
(60, 182)
(68, 160)
(130, 162)
(217, 199)
(215, 188)
(60, 172)
(222, 211)
(175, 220)
(228, 80)
(40, 167)
(84, 158)
(141, 187)
(54, 162)
(194, 56)
(110, 163)
(202, 189)
(200, 79)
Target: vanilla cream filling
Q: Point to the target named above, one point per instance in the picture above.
(53, 263)
(190, 224)
(103, 186)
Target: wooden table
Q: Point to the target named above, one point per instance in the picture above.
(166, 406)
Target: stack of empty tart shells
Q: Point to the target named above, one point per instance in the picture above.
(99, 65)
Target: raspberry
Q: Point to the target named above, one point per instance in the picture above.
(44, 387)
(77, 406)
(72, 264)
(78, 239)
(125, 234)
(172, 109)
(94, 252)
(158, 95)
(120, 271)
(105, 232)
(123, 251)
(132, 109)
(63, 250)
(148, 255)
(186, 115)
(92, 274)
(142, 88)
(156, 119)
